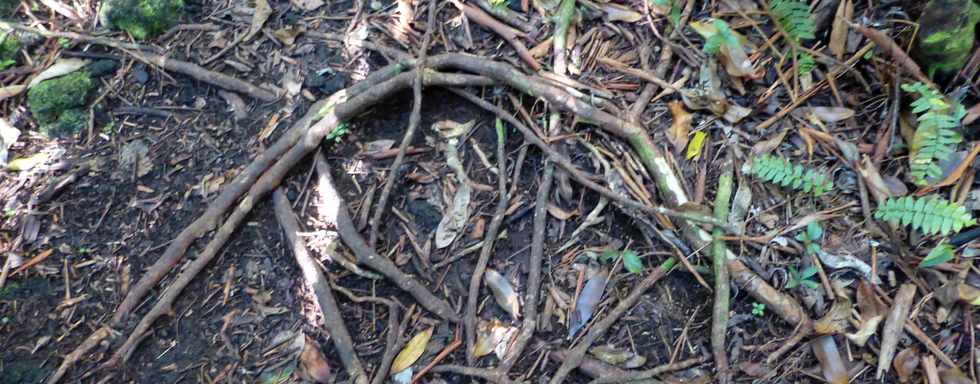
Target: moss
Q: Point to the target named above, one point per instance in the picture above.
(947, 35)
(56, 103)
(142, 18)
(9, 46)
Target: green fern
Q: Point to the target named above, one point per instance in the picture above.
(936, 136)
(724, 35)
(806, 63)
(930, 214)
(783, 172)
(795, 18)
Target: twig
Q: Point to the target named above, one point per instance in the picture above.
(315, 280)
(394, 330)
(629, 376)
(575, 355)
(719, 313)
(482, 373)
(507, 15)
(439, 358)
(507, 33)
(92, 341)
(413, 123)
(469, 315)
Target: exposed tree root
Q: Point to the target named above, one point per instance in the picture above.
(629, 376)
(320, 287)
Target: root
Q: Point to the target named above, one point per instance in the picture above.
(321, 289)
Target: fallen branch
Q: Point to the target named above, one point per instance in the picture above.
(507, 33)
(720, 308)
(628, 376)
(484, 374)
(320, 287)
(203, 74)
(90, 342)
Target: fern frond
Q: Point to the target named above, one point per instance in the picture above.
(930, 214)
(784, 173)
(936, 136)
(795, 18)
(806, 63)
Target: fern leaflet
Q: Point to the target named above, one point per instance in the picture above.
(805, 63)
(795, 18)
(784, 173)
(936, 136)
(930, 214)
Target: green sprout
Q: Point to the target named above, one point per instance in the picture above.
(804, 278)
(338, 133)
(810, 236)
(631, 260)
(758, 309)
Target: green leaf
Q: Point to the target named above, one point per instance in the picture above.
(808, 272)
(814, 231)
(930, 214)
(787, 174)
(608, 256)
(632, 261)
(936, 136)
(795, 18)
(940, 254)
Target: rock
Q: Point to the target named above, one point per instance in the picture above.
(56, 103)
(946, 37)
(141, 18)
(102, 67)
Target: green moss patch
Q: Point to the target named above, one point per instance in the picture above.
(9, 46)
(142, 18)
(56, 103)
(946, 39)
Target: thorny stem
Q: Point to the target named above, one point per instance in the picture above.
(719, 318)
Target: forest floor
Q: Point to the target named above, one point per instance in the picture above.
(590, 250)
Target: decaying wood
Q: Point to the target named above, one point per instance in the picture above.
(894, 324)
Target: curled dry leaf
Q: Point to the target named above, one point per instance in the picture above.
(826, 114)
(503, 292)
(412, 351)
(260, 14)
(559, 213)
(587, 301)
(835, 320)
(877, 186)
(616, 356)
(894, 327)
(616, 12)
(680, 126)
(831, 364)
(872, 312)
(906, 362)
(493, 336)
(838, 33)
(59, 68)
(313, 365)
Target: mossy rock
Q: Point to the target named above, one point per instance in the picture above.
(946, 37)
(141, 18)
(9, 46)
(56, 103)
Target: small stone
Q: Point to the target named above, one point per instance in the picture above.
(102, 67)
(142, 76)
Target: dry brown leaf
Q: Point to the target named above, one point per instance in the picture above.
(503, 292)
(835, 320)
(825, 349)
(680, 127)
(412, 351)
(493, 336)
(616, 12)
(770, 144)
(879, 189)
(956, 174)
(906, 362)
(560, 213)
(313, 366)
(954, 376)
(307, 5)
(587, 301)
(872, 311)
(287, 35)
(826, 114)
(260, 15)
(838, 33)
(894, 327)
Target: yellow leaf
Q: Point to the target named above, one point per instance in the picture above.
(412, 351)
(694, 148)
(681, 125)
(26, 163)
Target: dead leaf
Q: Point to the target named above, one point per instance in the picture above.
(953, 176)
(826, 114)
(27, 163)
(835, 320)
(954, 376)
(872, 311)
(893, 329)
(11, 91)
(260, 15)
(825, 349)
(452, 222)
(616, 12)
(680, 127)
(412, 352)
(838, 33)
(503, 292)
(287, 35)
(59, 68)
(235, 104)
(307, 5)
(768, 145)
(560, 213)
(587, 301)
(313, 366)
(877, 186)
(493, 336)
(135, 154)
(906, 362)
(615, 356)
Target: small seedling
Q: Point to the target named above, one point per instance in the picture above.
(338, 133)
(810, 236)
(631, 260)
(804, 278)
(758, 309)
(938, 255)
